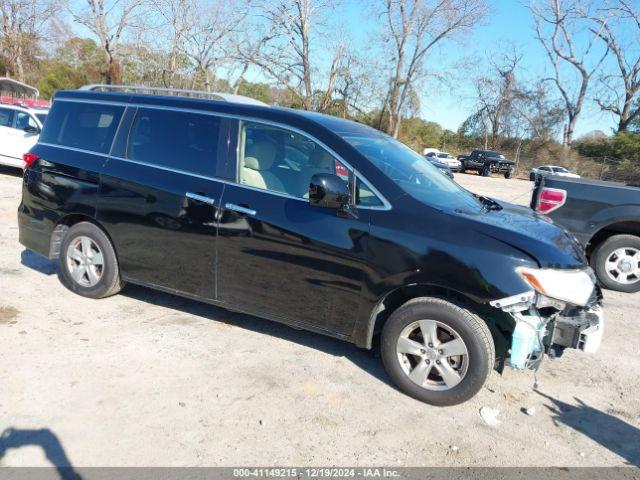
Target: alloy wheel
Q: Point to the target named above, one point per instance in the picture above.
(432, 354)
(85, 261)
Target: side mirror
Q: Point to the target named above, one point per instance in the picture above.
(30, 129)
(329, 191)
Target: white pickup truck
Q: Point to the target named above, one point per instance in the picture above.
(19, 131)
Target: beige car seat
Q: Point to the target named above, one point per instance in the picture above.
(256, 167)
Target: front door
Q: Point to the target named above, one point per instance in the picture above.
(6, 125)
(160, 199)
(23, 135)
(278, 256)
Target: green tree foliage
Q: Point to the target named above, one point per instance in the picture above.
(418, 133)
(259, 91)
(626, 146)
(58, 76)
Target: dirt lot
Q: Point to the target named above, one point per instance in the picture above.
(146, 378)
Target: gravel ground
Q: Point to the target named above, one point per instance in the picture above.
(149, 379)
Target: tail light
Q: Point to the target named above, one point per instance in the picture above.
(29, 159)
(551, 199)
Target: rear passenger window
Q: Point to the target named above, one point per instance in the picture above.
(180, 140)
(82, 125)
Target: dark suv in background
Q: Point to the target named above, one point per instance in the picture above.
(314, 221)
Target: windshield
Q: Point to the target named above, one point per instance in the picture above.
(414, 174)
(560, 170)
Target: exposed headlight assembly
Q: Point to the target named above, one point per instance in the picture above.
(571, 286)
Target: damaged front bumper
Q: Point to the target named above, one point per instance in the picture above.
(581, 329)
(545, 325)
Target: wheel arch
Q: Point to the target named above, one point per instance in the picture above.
(625, 227)
(63, 225)
(500, 324)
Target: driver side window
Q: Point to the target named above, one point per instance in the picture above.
(282, 161)
(23, 120)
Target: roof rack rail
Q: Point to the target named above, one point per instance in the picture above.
(226, 97)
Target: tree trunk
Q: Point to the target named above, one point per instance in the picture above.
(112, 75)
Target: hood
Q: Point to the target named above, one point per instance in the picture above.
(530, 232)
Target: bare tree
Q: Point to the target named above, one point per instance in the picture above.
(175, 15)
(206, 39)
(540, 112)
(21, 27)
(497, 92)
(109, 21)
(285, 50)
(261, 29)
(412, 29)
(558, 24)
(622, 102)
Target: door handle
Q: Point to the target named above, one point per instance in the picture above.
(200, 198)
(239, 209)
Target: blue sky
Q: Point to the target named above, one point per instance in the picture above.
(508, 21)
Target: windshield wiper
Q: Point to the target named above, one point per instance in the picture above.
(488, 203)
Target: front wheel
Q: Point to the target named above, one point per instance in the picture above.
(508, 174)
(616, 262)
(486, 171)
(88, 262)
(436, 351)
(532, 177)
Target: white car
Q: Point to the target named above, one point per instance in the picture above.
(551, 170)
(19, 131)
(453, 163)
(430, 152)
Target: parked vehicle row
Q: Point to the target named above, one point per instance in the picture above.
(604, 217)
(486, 162)
(306, 219)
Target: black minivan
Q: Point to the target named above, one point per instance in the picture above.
(311, 220)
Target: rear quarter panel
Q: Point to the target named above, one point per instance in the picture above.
(63, 182)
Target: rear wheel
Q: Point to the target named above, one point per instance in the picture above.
(88, 262)
(436, 351)
(486, 171)
(616, 262)
(508, 174)
(532, 177)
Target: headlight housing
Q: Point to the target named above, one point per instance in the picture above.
(571, 286)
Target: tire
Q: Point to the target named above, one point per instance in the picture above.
(82, 248)
(532, 177)
(608, 251)
(486, 171)
(452, 322)
(508, 174)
